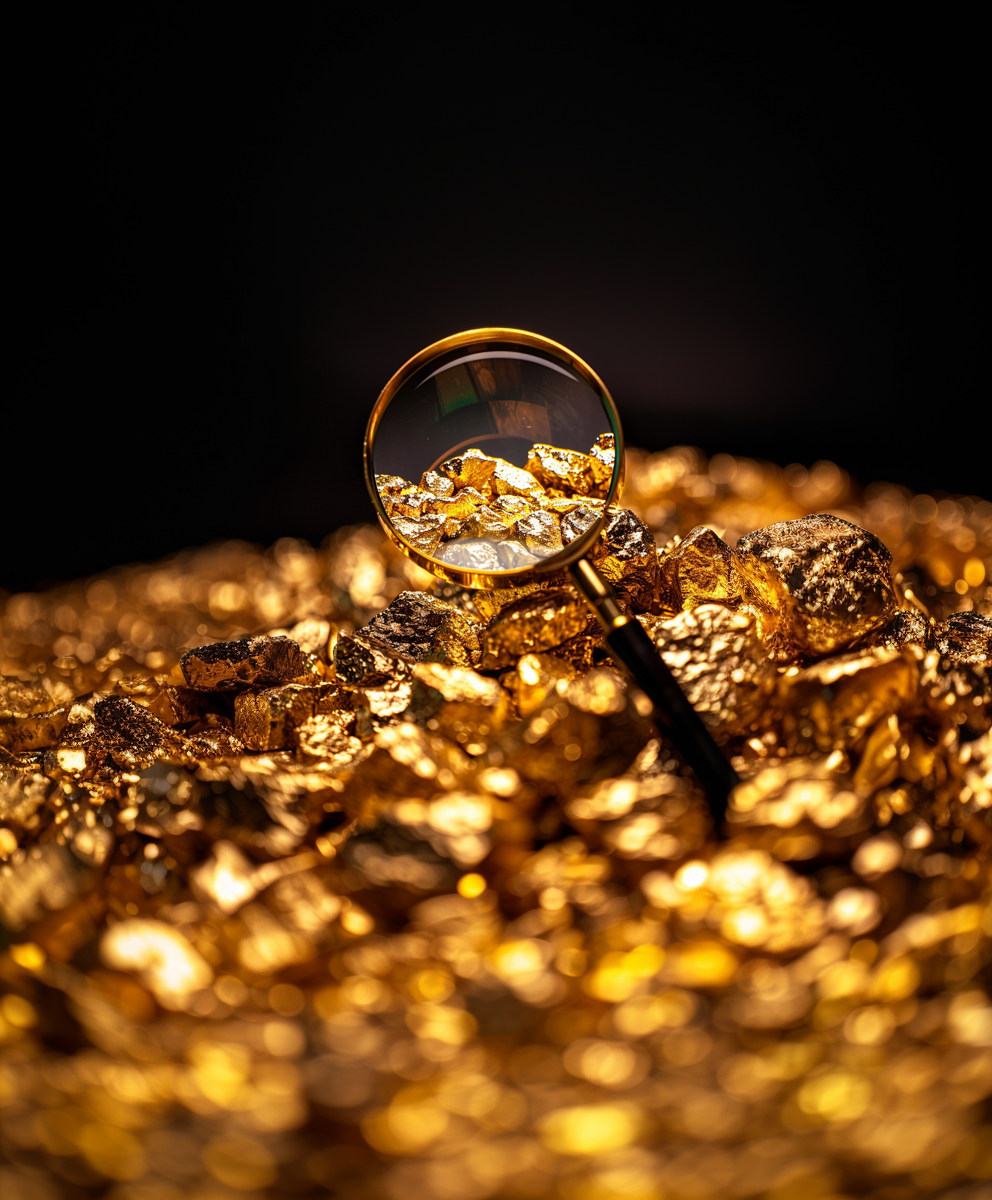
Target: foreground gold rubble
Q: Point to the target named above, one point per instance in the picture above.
(320, 877)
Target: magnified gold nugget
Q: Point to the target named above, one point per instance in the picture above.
(498, 516)
(319, 876)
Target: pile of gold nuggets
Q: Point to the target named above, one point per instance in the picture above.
(481, 513)
(319, 877)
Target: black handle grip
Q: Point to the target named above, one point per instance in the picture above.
(674, 715)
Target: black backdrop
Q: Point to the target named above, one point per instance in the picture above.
(231, 229)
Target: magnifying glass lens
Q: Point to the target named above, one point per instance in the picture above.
(493, 456)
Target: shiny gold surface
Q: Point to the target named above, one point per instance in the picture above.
(321, 877)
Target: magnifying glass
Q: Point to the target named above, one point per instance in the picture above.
(492, 457)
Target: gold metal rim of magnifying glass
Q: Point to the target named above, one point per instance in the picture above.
(547, 566)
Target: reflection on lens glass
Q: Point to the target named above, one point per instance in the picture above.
(493, 456)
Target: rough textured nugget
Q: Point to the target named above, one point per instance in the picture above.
(410, 504)
(423, 533)
(326, 737)
(627, 556)
(225, 666)
(216, 741)
(132, 736)
(417, 626)
(156, 698)
(838, 577)
(512, 506)
(400, 497)
(486, 522)
(488, 602)
(360, 662)
(568, 471)
(535, 622)
(585, 650)
(458, 505)
(268, 719)
(508, 480)
(602, 460)
(540, 533)
(701, 569)
(395, 485)
(579, 521)
(437, 484)
(966, 637)
(470, 469)
(458, 703)
(718, 659)
(383, 704)
(907, 628)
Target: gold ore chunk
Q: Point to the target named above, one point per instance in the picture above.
(966, 637)
(458, 703)
(535, 622)
(701, 569)
(579, 521)
(627, 556)
(838, 576)
(418, 626)
(423, 533)
(471, 469)
(458, 505)
(602, 460)
(132, 736)
(486, 522)
(540, 533)
(394, 485)
(564, 470)
(268, 719)
(719, 662)
(508, 480)
(437, 484)
(260, 661)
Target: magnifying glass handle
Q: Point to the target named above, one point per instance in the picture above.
(674, 715)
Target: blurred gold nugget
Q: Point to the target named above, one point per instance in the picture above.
(404, 895)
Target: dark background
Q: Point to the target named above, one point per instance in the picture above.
(231, 229)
